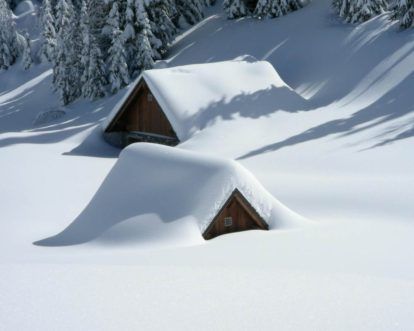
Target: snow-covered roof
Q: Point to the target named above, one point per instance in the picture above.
(174, 184)
(188, 93)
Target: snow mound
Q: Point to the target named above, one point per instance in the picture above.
(170, 185)
(48, 116)
(193, 96)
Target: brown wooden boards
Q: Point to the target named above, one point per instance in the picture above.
(237, 214)
(142, 113)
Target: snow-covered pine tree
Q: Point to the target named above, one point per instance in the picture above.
(9, 45)
(236, 8)
(27, 52)
(61, 72)
(144, 58)
(93, 76)
(118, 68)
(86, 44)
(67, 64)
(129, 34)
(98, 12)
(336, 6)
(342, 7)
(48, 47)
(95, 85)
(161, 24)
(171, 8)
(75, 44)
(363, 10)
(275, 8)
(262, 8)
(190, 10)
(142, 22)
(107, 29)
(403, 10)
(209, 3)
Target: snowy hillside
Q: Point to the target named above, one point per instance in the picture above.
(344, 159)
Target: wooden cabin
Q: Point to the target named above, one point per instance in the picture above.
(140, 119)
(169, 105)
(237, 214)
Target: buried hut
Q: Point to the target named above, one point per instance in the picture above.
(169, 105)
(164, 192)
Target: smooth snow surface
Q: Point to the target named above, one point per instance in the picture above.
(193, 96)
(345, 160)
(164, 183)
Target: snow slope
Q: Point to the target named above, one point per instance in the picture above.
(345, 161)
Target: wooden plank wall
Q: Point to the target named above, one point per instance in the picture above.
(143, 113)
(242, 219)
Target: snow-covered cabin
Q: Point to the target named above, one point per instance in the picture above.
(169, 105)
(169, 191)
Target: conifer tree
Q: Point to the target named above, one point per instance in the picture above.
(61, 68)
(93, 70)
(9, 46)
(129, 34)
(357, 11)
(363, 10)
(94, 87)
(75, 45)
(27, 52)
(209, 2)
(403, 11)
(262, 8)
(144, 58)
(48, 47)
(236, 8)
(142, 22)
(161, 24)
(118, 68)
(275, 8)
(191, 10)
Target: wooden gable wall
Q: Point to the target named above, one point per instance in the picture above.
(141, 112)
(242, 214)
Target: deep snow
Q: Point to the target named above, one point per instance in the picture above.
(152, 184)
(346, 161)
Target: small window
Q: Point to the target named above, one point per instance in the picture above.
(149, 97)
(228, 221)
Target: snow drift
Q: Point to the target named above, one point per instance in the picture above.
(193, 96)
(171, 185)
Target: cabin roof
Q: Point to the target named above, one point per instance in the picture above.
(187, 93)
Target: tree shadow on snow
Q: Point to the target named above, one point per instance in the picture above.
(390, 107)
(355, 68)
(26, 95)
(256, 105)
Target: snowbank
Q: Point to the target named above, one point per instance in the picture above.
(170, 185)
(189, 95)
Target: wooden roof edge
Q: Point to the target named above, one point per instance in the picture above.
(236, 193)
(141, 79)
(126, 102)
(250, 209)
